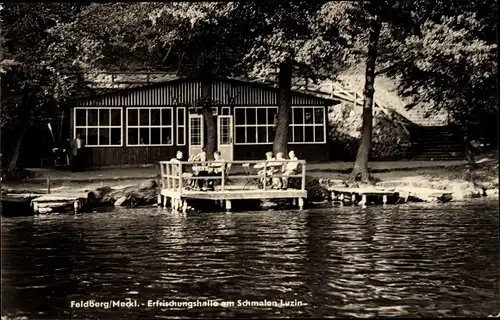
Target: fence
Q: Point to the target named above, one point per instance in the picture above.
(175, 176)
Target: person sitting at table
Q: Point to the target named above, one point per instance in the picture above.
(276, 166)
(290, 168)
(215, 169)
(202, 156)
(269, 170)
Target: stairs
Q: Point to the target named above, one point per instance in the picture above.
(438, 143)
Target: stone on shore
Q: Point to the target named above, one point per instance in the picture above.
(148, 184)
(121, 201)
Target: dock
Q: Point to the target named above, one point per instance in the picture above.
(363, 196)
(177, 179)
(64, 202)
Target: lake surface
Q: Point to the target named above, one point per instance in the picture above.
(418, 260)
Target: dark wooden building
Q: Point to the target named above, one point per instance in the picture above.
(147, 124)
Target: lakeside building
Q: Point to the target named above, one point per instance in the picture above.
(148, 123)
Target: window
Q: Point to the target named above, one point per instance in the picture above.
(254, 125)
(181, 126)
(149, 126)
(307, 125)
(196, 130)
(99, 127)
(226, 111)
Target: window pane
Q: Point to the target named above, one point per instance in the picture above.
(103, 136)
(251, 134)
(104, 117)
(251, 115)
(92, 113)
(240, 134)
(92, 136)
(181, 117)
(309, 115)
(166, 117)
(261, 134)
(116, 118)
(180, 136)
(82, 133)
(261, 116)
(155, 136)
(81, 117)
(144, 117)
(298, 115)
(155, 118)
(132, 136)
(116, 136)
(226, 111)
(319, 134)
(239, 116)
(270, 134)
(166, 135)
(318, 116)
(271, 114)
(309, 137)
(132, 117)
(298, 134)
(143, 135)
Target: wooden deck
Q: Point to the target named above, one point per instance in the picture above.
(363, 196)
(51, 202)
(175, 177)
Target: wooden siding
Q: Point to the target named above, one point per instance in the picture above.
(184, 92)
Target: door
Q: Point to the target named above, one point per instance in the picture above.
(225, 136)
(195, 134)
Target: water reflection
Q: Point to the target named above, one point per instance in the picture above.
(408, 260)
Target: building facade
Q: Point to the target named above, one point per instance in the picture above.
(147, 124)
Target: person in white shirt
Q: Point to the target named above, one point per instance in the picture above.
(202, 156)
(290, 168)
(77, 146)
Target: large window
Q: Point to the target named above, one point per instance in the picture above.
(150, 126)
(254, 125)
(307, 125)
(99, 127)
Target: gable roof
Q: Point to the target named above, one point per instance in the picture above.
(181, 90)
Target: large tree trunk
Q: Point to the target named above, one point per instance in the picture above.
(360, 169)
(26, 111)
(285, 102)
(211, 144)
(469, 156)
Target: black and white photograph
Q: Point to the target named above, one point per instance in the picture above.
(251, 159)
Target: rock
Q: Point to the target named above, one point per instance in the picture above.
(121, 201)
(491, 192)
(148, 184)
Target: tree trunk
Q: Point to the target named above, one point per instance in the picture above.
(361, 165)
(469, 156)
(285, 102)
(211, 144)
(25, 119)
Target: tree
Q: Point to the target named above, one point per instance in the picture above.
(291, 37)
(32, 78)
(450, 66)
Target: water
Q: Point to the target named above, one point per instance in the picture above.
(406, 260)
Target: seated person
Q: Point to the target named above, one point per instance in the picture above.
(202, 157)
(176, 166)
(275, 167)
(290, 168)
(261, 165)
(216, 168)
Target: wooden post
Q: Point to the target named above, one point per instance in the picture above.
(303, 185)
(158, 202)
(48, 185)
(353, 199)
(164, 201)
(76, 206)
(228, 205)
(162, 173)
(167, 166)
(223, 176)
(184, 206)
(384, 199)
(265, 175)
(341, 198)
(333, 196)
(301, 203)
(35, 207)
(363, 200)
(180, 178)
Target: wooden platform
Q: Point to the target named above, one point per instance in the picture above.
(362, 196)
(236, 194)
(65, 201)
